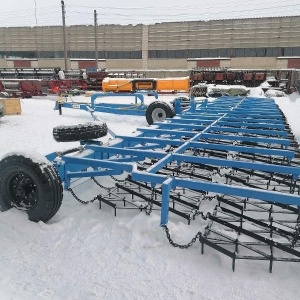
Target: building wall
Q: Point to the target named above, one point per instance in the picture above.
(157, 64)
(166, 73)
(133, 64)
(236, 33)
(110, 37)
(3, 63)
(51, 63)
(254, 62)
(250, 43)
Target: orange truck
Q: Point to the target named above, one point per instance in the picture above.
(181, 84)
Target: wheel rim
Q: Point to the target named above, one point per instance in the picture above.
(23, 191)
(159, 115)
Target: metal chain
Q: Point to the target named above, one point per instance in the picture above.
(297, 232)
(99, 184)
(150, 203)
(194, 239)
(89, 201)
(118, 180)
(200, 213)
(81, 201)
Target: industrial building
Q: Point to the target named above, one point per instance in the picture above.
(256, 43)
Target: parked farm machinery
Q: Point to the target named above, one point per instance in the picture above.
(36, 82)
(286, 80)
(21, 88)
(156, 111)
(229, 167)
(170, 85)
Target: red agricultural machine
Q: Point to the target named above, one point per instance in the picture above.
(21, 88)
(284, 79)
(247, 78)
(26, 83)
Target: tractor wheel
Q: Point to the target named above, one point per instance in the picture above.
(158, 111)
(31, 184)
(79, 132)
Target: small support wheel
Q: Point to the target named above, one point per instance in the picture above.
(79, 132)
(30, 183)
(158, 111)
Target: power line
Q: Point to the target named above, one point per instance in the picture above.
(223, 4)
(136, 15)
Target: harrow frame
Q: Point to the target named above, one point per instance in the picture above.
(237, 152)
(138, 108)
(233, 119)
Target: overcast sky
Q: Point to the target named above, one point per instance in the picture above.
(79, 12)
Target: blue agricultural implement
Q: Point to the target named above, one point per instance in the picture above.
(156, 111)
(231, 166)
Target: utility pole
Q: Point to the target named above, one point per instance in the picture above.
(64, 33)
(96, 38)
(36, 32)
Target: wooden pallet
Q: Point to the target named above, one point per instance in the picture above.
(11, 106)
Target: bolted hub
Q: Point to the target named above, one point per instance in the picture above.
(23, 191)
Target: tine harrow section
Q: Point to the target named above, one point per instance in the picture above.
(234, 162)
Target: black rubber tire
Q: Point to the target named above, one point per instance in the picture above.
(30, 184)
(185, 101)
(81, 132)
(158, 111)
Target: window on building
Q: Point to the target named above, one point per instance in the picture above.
(271, 52)
(204, 53)
(213, 53)
(296, 51)
(223, 53)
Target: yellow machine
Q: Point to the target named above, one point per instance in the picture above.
(149, 84)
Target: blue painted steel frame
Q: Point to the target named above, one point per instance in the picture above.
(199, 127)
(138, 108)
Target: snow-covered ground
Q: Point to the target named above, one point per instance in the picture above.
(87, 253)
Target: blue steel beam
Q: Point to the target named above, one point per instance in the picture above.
(218, 188)
(283, 142)
(243, 149)
(173, 125)
(180, 120)
(252, 125)
(272, 168)
(131, 141)
(181, 126)
(139, 154)
(249, 131)
(137, 96)
(70, 166)
(155, 132)
(138, 108)
(229, 122)
(158, 142)
(183, 147)
(251, 120)
(199, 117)
(96, 163)
(255, 115)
